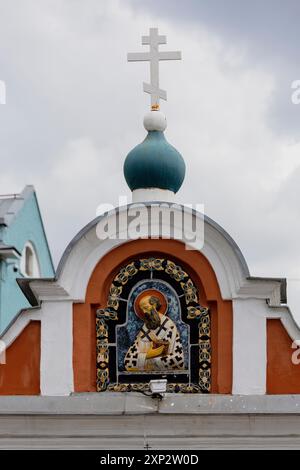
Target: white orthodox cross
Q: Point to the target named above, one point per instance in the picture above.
(154, 56)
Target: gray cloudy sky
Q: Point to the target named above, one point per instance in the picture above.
(75, 108)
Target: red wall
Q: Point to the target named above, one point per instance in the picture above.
(21, 373)
(283, 376)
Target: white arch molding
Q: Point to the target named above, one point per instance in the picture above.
(29, 263)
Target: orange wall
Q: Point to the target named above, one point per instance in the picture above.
(282, 375)
(21, 373)
(84, 354)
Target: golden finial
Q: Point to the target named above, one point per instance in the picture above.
(155, 107)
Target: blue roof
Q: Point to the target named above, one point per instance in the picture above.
(11, 204)
(20, 223)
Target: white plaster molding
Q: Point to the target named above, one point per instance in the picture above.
(20, 324)
(48, 290)
(88, 249)
(250, 342)
(57, 348)
(128, 421)
(30, 251)
(249, 347)
(284, 314)
(56, 366)
(152, 194)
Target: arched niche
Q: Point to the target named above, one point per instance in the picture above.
(97, 294)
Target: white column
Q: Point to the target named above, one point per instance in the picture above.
(249, 347)
(57, 348)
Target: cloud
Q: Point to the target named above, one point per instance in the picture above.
(75, 108)
(268, 31)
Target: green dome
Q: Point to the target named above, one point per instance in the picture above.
(154, 164)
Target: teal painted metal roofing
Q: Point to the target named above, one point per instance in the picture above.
(11, 204)
(154, 164)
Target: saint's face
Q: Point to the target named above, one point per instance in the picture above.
(152, 319)
(145, 305)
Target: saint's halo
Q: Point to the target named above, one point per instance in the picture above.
(150, 293)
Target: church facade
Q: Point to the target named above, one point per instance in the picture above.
(79, 334)
(137, 306)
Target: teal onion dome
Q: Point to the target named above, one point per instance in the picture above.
(154, 164)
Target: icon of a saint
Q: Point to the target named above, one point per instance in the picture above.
(157, 346)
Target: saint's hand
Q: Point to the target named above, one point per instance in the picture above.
(155, 352)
